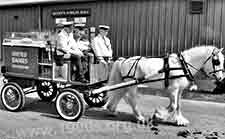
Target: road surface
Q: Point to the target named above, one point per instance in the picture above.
(39, 120)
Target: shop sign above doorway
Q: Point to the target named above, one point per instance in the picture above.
(71, 12)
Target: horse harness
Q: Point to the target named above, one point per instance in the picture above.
(215, 62)
(184, 67)
(134, 66)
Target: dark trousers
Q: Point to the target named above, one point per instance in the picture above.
(76, 60)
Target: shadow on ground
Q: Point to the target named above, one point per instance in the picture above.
(101, 114)
(47, 109)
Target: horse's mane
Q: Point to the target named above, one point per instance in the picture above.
(198, 50)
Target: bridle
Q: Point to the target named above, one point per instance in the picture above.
(215, 62)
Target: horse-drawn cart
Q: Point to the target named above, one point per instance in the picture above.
(31, 65)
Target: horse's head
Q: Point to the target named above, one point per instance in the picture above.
(214, 65)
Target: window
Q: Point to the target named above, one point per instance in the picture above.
(196, 6)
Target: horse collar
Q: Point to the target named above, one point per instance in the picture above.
(185, 68)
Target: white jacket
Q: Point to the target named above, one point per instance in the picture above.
(79, 44)
(63, 40)
(102, 47)
(67, 43)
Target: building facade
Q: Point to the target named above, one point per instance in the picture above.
(138, 27)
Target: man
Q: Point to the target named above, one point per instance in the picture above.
(101, 45)
(66, 47)
(79, 43)
(83, 43)
(65, 38)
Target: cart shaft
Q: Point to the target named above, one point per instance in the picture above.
(131, 83)
(116, 86)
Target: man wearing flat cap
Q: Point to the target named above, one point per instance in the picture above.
(101, 45)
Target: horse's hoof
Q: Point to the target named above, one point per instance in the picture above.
(182, 121)
(154, 120)
(111, 113)
(160, 114)
(144, 121)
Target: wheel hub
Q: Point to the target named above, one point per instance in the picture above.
(11, 96)
(45, 88)
(69, 105)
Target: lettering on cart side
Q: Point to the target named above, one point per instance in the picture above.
(19, 53)
(19, 59)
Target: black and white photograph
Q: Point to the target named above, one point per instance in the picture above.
(112, 69)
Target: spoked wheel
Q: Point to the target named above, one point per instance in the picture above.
(46, 90)
(12, 96)
(95, 100)
(70, 105)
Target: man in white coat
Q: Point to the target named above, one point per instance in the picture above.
(102, 46)
(65, 44)
(65, 40)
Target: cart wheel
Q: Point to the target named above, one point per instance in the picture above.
(95, 100)
(70, 105)
(46, 90)
(12, 96)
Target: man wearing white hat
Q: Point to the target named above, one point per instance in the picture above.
(101, 45)
(80, 44)
(65, 44)
(64, 37)
(65, 40)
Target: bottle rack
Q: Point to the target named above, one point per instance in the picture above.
(45, 64)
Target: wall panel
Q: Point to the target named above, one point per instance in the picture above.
(138, 27)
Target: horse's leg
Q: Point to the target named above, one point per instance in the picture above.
(181, 120)
(131, 99)
(114, 98)
(163, 113)
(174, 109)
(173, 96)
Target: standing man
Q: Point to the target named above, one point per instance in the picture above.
(101, 45)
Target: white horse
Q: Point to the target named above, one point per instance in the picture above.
(207, 58)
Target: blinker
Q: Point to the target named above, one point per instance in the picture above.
(215, 61)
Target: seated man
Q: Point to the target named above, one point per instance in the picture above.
(83, 42)
(101, 45)
(82, 46)
(66, 44)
